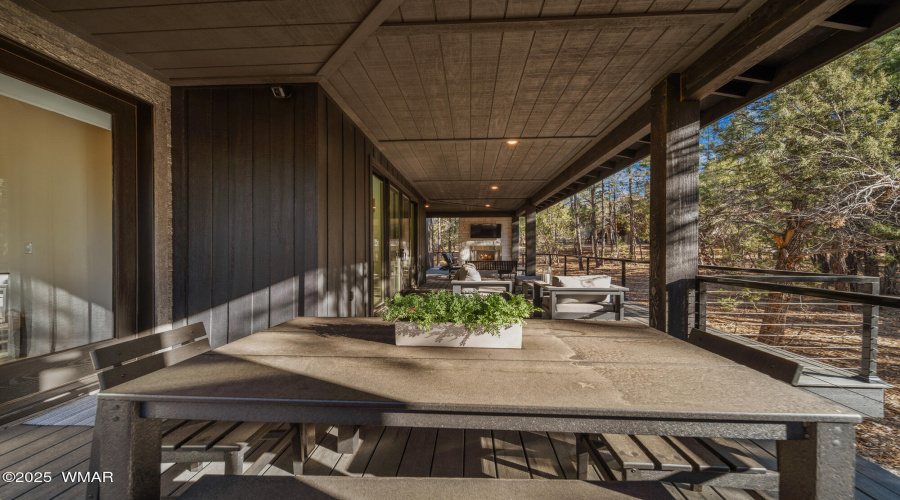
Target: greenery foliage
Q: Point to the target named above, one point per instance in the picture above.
(491, 312)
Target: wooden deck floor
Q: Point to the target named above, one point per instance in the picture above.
(392, 451)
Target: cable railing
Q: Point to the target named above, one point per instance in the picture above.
(800, 314)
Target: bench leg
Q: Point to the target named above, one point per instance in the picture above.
(820, 466)
(584, 456)
(348, 438)
(195, 466)
(126, 448)
(234, 463)
(302, 443)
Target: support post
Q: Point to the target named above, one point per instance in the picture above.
(126, 448)
(868, 368)
(348, 438)
(531, 243)
(700, 305)
(674, 204)
(820, 466)
(514, 240)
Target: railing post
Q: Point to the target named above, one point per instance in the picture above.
(565, 265)
(868, 365)
(624, 281)
(699, 304)
(588, 272)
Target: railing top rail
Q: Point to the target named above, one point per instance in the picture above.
(776, 272)
(856, 297)
(818, 278)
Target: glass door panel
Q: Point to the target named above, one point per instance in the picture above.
(56, 223)
(378, 246)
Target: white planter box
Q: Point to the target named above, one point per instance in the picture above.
(450, 335)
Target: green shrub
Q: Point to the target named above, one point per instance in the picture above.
(491, 312)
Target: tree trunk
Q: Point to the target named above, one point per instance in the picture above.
(771, 330)
(594, 220)
(602, 219)
(630, 216)
(576, 219)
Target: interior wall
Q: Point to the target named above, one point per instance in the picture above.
(56, 185)
(28, 28)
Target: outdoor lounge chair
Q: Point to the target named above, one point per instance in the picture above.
(468, 280)
(193, 441)
(580, 297)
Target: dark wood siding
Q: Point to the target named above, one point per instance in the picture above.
(238, 185)
(271, 204)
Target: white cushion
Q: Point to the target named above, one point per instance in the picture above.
(468, 273)
(593, 281)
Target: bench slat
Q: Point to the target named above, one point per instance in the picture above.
(735, 455)
(363, 488)
(122, 352)
(698, 455)
(204, 439)
(169, 425)
(777, 367)
(141, 367)
(242, 435)
(627, 452)
(663, 455)
(180, 435)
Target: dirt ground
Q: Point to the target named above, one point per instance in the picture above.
(876, 439)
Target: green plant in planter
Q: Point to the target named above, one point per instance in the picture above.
(491, 312)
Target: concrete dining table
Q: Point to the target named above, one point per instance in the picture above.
(583, 377)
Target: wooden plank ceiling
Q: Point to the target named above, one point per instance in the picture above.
(440, 85)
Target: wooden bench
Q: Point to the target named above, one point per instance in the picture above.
(193, 441)
(211, 487)
(731, 463)
(735, 463)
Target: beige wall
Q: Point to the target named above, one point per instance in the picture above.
(30, 29)
(56, 194)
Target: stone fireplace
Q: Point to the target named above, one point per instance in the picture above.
(485, 248)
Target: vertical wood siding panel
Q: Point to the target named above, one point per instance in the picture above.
(262, 100)
(363, 209)
(349, 198)
(240, 130)
(221, 230)
(282, 298)
(335, 209)
(321, 236)
(199, 208)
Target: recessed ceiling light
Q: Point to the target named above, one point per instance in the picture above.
(495, 187)
(427, 205)
(488, 205)
(512, 142)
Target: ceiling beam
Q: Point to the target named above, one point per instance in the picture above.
(490, 139)
(242, 80)
(447, 214)
(734, 89)
(757, 74)
(834, 47)
(363, 31)
(851, 18)
(770, 27)
(627, 133)
(589, 23)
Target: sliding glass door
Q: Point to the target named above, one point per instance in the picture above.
(378, 245)
(56, 222)
(394, 247)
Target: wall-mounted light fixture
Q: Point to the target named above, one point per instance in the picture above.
(279, 92)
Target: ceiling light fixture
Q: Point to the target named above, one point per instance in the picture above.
(427, 205)
(512, 142)
(488, 205)
(495, 187)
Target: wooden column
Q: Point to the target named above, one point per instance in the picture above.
(514, 239)
(530, 243)
(674, 204)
